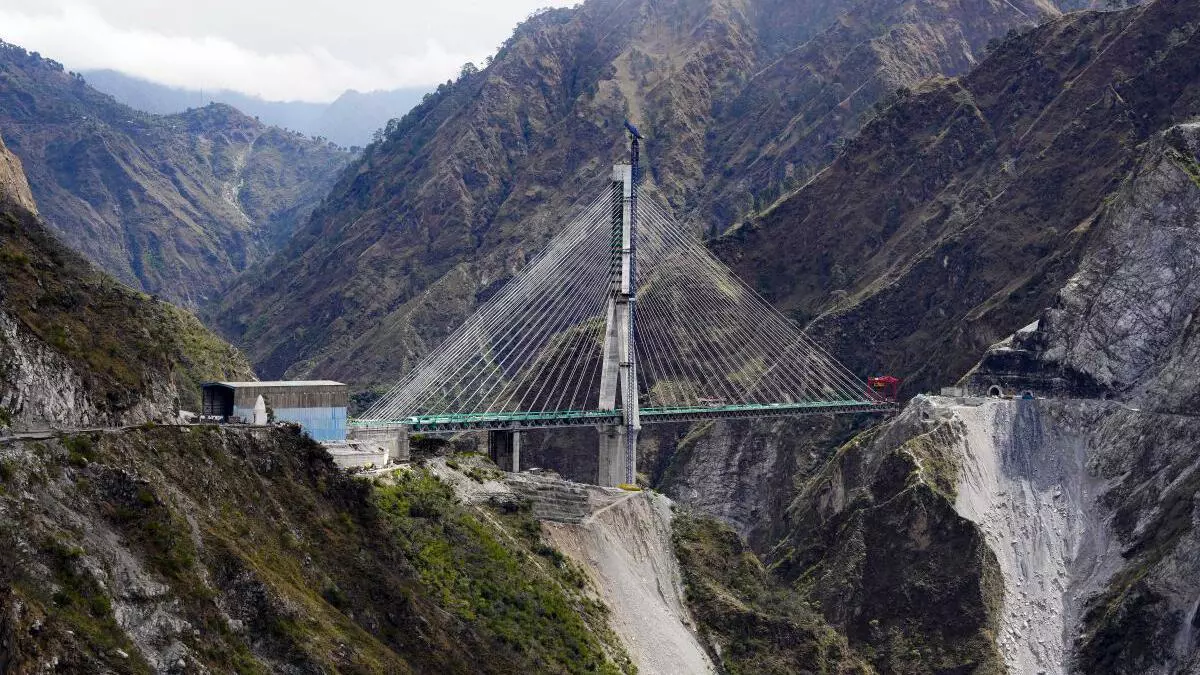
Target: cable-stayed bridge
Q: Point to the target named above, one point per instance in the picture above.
(625, 319)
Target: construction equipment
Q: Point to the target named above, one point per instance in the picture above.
(884, 388)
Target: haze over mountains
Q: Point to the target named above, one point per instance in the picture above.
(171, 204)
(350, 120)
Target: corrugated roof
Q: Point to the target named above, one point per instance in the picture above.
(280, 383)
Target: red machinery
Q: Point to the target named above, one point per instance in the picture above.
(884, 388)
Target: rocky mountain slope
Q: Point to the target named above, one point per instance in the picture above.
(1053, 535)
(961, 210)
(738, 100)
(204, 549)
(174, 204)
(1014, 536)
(78, 349)
(14, 186)
(166, 548)
(1048, 535)
(1074, 218)
(1122, 324)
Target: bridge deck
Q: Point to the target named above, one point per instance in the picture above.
(587, 418)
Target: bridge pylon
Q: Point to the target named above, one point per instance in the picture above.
(618, 371)
(576, 340)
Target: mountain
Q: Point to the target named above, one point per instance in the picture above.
(151, 546)
(78, 349)
(1053, 192)
(738, 102)
(1053, 531)
(956, 217)
(173, 204)
(349, 120)
(961, 210)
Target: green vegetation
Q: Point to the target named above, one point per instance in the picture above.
(158, 186)
(877, 545)
(80, 449)
(758, 624)
(1127, 627)
(122, 343)
(1186, 162)
(936, 457)
(485, 572)
(467, 464)
(80, 602)
(276, 560)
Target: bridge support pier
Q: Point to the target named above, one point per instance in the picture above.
(614, 444)
(504, 447)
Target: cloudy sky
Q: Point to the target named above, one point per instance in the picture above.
(278, 49)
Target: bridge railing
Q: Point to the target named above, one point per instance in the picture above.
(569, 418)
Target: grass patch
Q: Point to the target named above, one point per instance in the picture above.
(118, 340)
(475, 572)
(757, 624)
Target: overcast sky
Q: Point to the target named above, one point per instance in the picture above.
(278, 49)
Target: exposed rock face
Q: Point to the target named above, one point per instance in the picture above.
(41, 390)
(78, 349)
(626, 550)
(743, 472)
(976, 535)
(876, 541)
(209, 549)
(961, 211)
(1123, 322)
(1088, 508)
(13, 185)
(173, 205)
(1024, 480)
(737, 99)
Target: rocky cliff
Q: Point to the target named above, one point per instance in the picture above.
(173, 205)
(1015, 536)
(739, 100)
(201, 549)
(1121, 326)
(78, 349)
(964, 207)
(14, 187)
(1054, 174)
(1045, 535)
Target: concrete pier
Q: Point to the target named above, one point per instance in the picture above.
(613, 469)
(504, 447)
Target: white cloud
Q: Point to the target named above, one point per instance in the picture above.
(82, 38)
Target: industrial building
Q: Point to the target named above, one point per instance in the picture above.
(319, 406)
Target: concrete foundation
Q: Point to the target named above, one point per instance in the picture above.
(393, 440)
(504, 447)
(357, 454)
